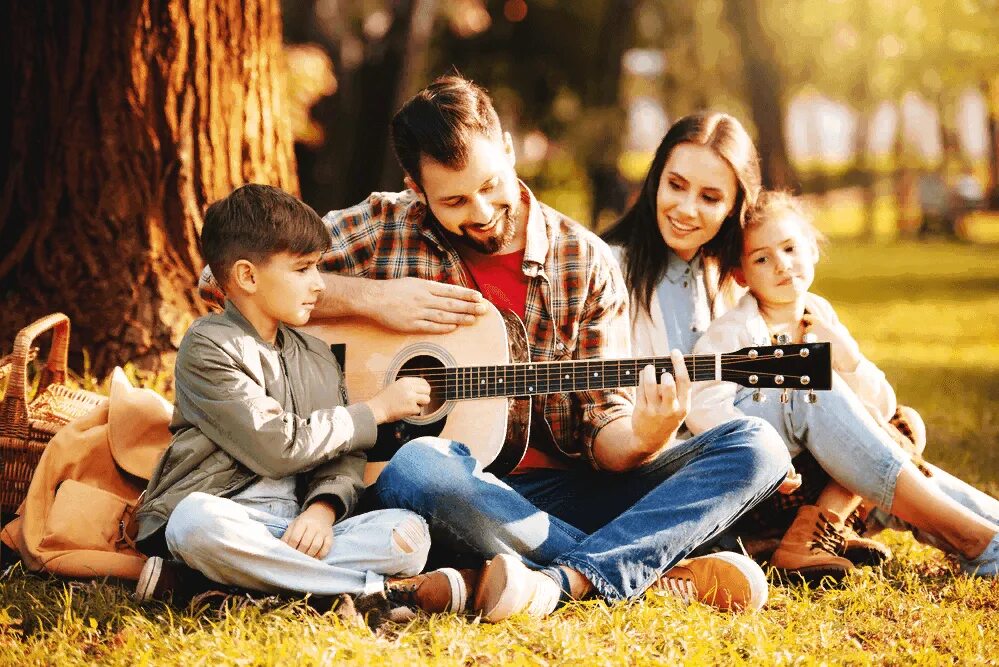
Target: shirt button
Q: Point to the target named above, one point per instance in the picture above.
(684, 283)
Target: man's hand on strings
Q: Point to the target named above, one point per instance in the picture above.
(661, 405)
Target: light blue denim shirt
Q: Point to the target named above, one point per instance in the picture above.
(683, 298)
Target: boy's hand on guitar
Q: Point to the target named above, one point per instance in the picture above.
(414, 305)
(660, 406)
(844, 350)
(403, 398)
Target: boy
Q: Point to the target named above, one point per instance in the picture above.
(266, 460)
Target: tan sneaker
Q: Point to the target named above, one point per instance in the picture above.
(509, 587)
(434, 592)
(726, 581)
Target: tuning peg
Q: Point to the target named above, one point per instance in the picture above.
(783, 339)
(759, 396)
(810, 338)
(785, 396)
(811, 397)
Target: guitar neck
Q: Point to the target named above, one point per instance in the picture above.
(555, 377)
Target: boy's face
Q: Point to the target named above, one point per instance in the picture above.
(288, 286)
(478, 205)
(778, 260)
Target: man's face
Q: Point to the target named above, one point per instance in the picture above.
(478, 205)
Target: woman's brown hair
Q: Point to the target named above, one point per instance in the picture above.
(645, 252)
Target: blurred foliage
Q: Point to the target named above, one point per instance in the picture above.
(554, 68)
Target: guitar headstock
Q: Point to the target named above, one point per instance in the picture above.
(807, 366)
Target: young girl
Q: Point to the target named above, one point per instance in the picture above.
(846, 429)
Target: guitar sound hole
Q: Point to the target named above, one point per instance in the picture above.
(430, 369)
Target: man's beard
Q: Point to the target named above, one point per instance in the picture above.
(502, 234)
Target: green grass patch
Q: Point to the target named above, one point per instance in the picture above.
(928, 314)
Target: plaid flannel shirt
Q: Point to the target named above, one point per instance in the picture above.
(577, 305)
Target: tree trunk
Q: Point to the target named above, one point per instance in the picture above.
(124, 120)
(763, 89)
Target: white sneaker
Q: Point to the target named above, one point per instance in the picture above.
(508, 587)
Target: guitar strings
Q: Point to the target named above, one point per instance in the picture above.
(451, 372)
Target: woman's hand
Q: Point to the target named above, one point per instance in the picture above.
(311, 532)
(845, 352)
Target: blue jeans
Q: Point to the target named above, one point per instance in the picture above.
(840, 433)
(239, 544)
(620, 530)
(857, 452)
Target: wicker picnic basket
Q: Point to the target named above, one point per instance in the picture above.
(26, 426)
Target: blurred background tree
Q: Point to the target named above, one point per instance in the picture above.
(120, 122)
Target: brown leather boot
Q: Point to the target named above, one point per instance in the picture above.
(435, 592)
(808, 549)
(856, 549)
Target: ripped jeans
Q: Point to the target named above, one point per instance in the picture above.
(239, 544)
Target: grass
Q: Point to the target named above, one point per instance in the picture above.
(927, 313)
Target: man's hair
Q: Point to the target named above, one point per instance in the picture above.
(255, 222)
(440, 121)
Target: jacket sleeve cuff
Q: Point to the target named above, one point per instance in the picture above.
(342, 493)
(365, 428)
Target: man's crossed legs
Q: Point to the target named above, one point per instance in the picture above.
(621, 532)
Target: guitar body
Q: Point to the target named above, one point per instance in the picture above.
(494, 429)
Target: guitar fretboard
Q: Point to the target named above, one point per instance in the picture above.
(553, 377)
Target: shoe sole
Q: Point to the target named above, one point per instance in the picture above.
(498, 593)
(759, 589)
(148, 578)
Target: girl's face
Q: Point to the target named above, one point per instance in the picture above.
(778, 260)
(697, 191)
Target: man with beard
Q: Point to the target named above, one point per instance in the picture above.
(606, 501)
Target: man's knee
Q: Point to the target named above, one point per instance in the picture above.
(431, 466)
(760, 445)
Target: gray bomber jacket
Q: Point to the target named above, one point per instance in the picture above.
(229, 431)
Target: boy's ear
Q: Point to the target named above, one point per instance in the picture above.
(243, 275)
(740, 277)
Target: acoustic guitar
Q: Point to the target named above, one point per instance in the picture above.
(482, 379)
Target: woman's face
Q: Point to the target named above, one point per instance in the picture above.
(697, 191)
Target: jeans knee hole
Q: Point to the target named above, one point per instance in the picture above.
(410, 536)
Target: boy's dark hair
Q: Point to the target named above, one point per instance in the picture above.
(255, 222)
(439, 122)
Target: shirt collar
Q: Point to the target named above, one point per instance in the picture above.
(677, 268)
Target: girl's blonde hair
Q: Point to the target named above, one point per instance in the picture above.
(774, 205)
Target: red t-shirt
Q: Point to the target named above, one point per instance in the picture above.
(502, 282)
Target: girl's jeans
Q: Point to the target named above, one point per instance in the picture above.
(856, 451)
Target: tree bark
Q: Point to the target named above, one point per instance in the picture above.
(124, 120)
(764, 90)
